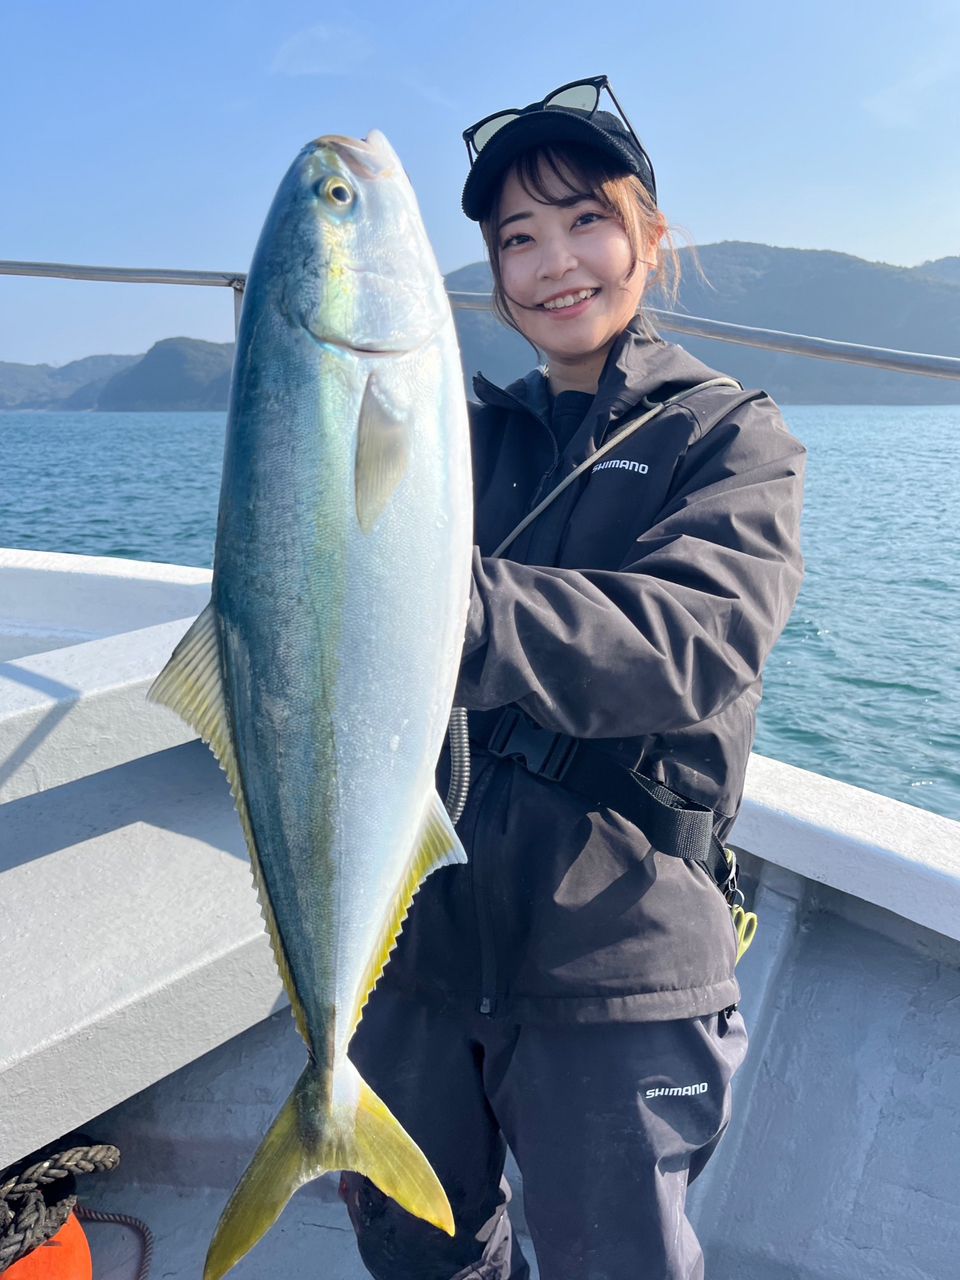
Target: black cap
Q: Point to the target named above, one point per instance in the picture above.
(598, 129)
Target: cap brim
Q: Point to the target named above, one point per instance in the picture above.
(537, 128)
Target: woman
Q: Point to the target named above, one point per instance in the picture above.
(571, 992)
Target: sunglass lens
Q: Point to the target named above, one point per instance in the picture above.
(490, 127)
(582, 97)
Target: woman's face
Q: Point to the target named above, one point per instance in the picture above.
(566, 271)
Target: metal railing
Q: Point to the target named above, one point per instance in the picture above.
(774, 340)
(234, 280)
(930, 366)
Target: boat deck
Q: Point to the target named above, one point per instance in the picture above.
(313, 1237)
(184, 1144)
(141, 1003)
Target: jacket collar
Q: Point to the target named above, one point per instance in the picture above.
(529, 394)
(640, 369)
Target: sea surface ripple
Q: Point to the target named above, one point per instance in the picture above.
(863, 686)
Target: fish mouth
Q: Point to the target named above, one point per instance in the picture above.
(355, 350)
(370, 349)
(370, 157)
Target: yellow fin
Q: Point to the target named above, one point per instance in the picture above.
(383, 450)
(386, 1154)
(277, 1170)
(438, 845)
(314, 1134)
(191, 684)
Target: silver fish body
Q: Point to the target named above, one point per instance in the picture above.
(323, 671)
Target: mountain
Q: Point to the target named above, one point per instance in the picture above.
(44, 386)
(815, 292)
(829, 295)
(942, 269)
(486, 343)
(177, 373)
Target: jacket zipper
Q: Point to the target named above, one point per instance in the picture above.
(487, 1002)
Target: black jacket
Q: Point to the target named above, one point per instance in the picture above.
(637, 611)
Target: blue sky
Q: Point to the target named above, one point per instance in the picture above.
(154, 134)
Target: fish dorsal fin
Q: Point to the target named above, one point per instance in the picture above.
(191, 684)
(383, 451)
(438, 845)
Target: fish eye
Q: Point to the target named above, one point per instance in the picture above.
(336, 192)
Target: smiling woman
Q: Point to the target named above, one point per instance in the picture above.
(574, 208)
(571, 993)
(566, 257)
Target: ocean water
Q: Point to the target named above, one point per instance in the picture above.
(864, 685)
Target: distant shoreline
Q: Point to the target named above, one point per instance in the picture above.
(801, 291)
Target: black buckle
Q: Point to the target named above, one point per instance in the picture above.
(546, 754)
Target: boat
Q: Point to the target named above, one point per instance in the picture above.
(142, 1008)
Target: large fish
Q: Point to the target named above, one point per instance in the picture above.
(323, 670)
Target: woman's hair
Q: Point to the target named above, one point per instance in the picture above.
(581, 170)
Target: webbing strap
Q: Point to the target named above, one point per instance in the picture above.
(672, 823)
(616, 439)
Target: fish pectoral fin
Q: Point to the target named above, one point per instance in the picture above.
(438, 845)
(314, 1135)
(191, 684)
(383, 452)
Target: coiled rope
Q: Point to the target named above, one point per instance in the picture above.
(37, 1198)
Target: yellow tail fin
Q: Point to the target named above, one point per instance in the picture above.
(310, 1137)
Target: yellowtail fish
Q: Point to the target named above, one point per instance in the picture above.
(323, 670)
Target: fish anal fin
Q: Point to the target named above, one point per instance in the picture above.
(383, 452)
(438, 845)
(191, 684)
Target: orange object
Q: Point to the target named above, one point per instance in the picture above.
(65, 1256)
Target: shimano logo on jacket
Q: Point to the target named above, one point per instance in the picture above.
(623, 465)
(677, 1091)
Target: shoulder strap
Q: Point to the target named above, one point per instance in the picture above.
(721, 406)
(616, 439)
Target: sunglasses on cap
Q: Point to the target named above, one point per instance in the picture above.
(579, 95)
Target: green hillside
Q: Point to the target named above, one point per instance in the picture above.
(814, 292)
